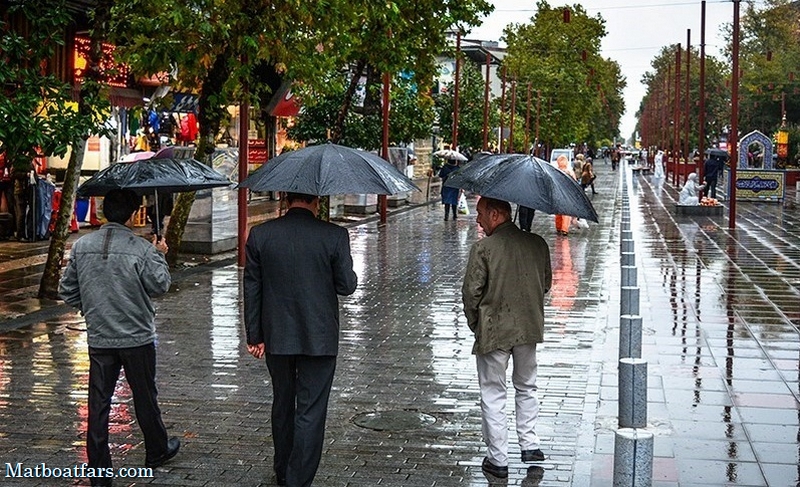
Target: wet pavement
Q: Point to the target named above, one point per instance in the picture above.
(720, 312)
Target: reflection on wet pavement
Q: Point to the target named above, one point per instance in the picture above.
(720, 311)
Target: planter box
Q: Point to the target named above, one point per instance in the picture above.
(699, 210)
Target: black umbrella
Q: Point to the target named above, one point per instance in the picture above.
(147, 176)
(527, 181)
(329, 169)
(718, 154)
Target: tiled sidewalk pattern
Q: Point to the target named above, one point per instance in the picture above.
(720, 312)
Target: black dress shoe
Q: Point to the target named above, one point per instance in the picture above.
(492, 469)
(173, 445)
(530, 456)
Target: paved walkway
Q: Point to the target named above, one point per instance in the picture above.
(720, 311)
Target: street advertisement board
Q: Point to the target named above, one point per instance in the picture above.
(760, 185)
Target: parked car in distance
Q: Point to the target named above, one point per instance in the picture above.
(570, 153)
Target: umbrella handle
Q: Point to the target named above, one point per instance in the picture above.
(155, 223)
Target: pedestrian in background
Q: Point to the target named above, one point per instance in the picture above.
(563, 221)
(507, 276)
(525, 218)
(111, 277)
(449, 195)
(295, 267)
(587, 176)
(711, 170)
(658, 162)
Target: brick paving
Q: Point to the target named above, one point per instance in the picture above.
(720, 315)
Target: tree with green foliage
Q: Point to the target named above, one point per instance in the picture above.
(410, 115)
(561, 59)
(218, 47)
(215, 48)
(38, 115)
(769, 57)
(717, 97)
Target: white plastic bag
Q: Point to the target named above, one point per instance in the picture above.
(463, 209)
(582, 223)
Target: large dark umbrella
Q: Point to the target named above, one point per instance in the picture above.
(153, 175)
(527, 181)
(329, 169)
(718, 154)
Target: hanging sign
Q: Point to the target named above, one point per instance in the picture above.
(112, 73)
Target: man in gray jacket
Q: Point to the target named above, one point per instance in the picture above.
(296, 268)
(111, 276)
(507, 276)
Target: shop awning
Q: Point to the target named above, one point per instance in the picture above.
(118, 97)
(125, 97)
(283, 102)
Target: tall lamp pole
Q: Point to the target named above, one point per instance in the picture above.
(686, 114)
(701, 119)
(733, 139)
(486, 103)
(455, 93)
(677, 117)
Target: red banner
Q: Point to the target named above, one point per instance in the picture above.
(257, 151)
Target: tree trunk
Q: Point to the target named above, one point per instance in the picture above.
(210, 118)
(338, 128)
(48, 286)
(90, 90)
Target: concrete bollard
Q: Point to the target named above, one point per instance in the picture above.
(629, 300)
(630, 336)
(633, 458)
(627, 258)
(632, 393)
(629, 275)
(627, 245)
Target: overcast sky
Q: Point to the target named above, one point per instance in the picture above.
(636, 31)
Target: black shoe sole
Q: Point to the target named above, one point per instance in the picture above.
(491, 469)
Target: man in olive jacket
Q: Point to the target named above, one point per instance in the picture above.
(296, 266)
(507, 276)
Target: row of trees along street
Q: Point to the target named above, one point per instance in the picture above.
(769, 61)
(237, 51)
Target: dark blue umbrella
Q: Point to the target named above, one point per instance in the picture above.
(527, 181)
(329, 169)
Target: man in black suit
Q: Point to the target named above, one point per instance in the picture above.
(296, 266)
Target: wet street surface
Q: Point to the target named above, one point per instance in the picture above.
(720, 313)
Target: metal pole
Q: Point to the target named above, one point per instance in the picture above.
(687, 112)
(455, 92)
(241, 194)
(538, 112)
(513, 110)
(675, 141)
(486, 103)
(667, 107)
(701, 119)
(528, 121)
(733, 139)
(382, 200)
(502, 109)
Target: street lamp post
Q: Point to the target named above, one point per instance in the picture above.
(733, 139)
